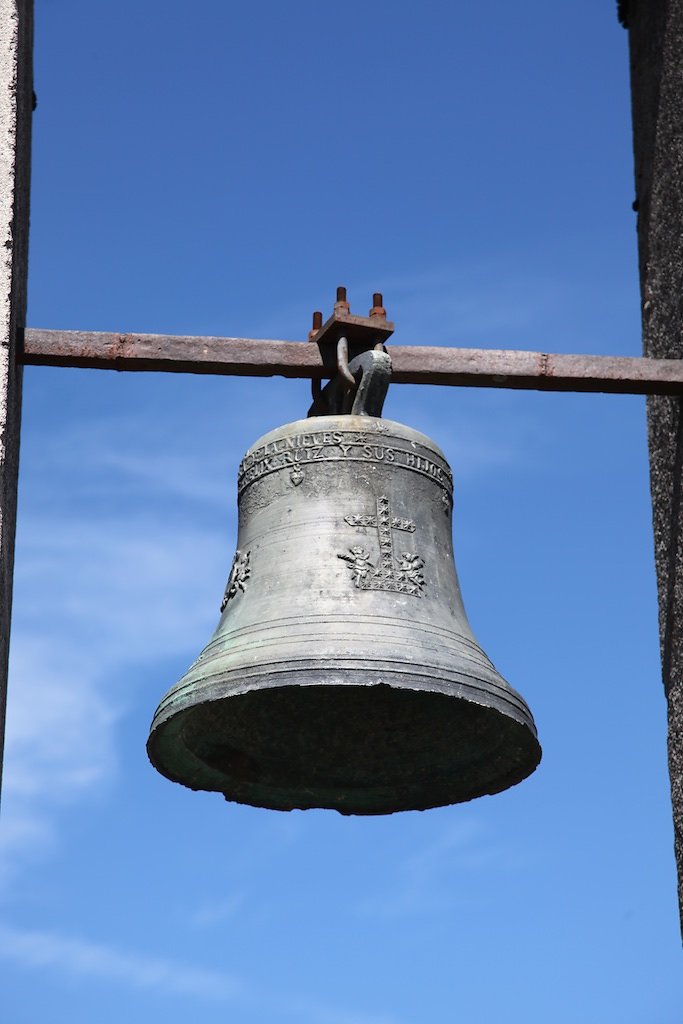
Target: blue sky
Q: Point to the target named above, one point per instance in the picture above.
(219, 169)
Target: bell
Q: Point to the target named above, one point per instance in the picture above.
(343, 672)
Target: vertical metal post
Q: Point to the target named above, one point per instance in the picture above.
(16, 104)
(656, 47)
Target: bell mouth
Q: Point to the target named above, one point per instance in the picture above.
(368, 749)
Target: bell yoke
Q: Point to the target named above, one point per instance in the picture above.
(343, 672)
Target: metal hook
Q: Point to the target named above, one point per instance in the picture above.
(360, 386)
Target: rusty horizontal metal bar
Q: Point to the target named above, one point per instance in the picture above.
(413, 364)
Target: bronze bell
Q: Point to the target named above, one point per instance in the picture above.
(343, 672)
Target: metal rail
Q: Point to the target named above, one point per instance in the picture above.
(249, 357)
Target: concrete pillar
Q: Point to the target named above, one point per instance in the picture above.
(656, 51)
(16, 92)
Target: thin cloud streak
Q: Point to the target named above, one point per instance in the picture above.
(412, 887)
(416, 885)
(474, 305)
(322, 1014)
(72, 957)
(86, 959)
(59, 749)
(92, 598)
(105, 577)
(216, 912)
(426, 863)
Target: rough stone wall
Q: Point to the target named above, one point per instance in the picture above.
(16, 96)
(656, 48)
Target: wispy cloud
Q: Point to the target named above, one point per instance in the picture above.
(425, 863)
(70, 957)
(218, 910)
(486, 302)
(81, 958)
(417, 883)
(313, 1010)
(119, 455)
(58, 722)
(183, 477)
(95, 591)
(59, 746)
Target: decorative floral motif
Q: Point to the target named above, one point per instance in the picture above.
(239, 574)
(296, 476)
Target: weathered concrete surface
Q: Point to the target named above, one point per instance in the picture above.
(656, 45)
(16, 93)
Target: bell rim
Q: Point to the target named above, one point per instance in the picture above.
(444, 680)
(170, 729)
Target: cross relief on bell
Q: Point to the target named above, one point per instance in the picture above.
(405, 576)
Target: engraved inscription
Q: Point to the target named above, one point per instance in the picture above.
(239, 574)
(404, 576)
(294, 452)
